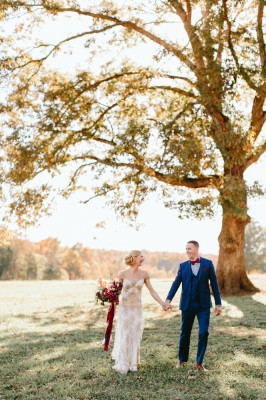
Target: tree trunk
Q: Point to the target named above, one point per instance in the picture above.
(231, 271)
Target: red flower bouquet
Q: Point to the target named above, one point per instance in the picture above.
(108, 292)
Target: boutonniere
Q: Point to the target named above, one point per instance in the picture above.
(205, 269)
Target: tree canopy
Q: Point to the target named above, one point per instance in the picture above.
(188, 114)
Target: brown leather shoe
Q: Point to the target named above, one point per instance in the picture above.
(201, 368)
(180, 364)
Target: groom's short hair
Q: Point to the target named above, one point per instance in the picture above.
(194, 242)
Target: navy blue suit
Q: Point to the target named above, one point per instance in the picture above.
(195, 301)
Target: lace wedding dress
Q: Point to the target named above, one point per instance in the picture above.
(129, 328)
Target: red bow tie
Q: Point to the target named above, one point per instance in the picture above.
(196, 261)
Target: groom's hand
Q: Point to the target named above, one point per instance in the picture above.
(167, 305)
(218, 310)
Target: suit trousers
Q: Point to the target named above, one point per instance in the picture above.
(188, 317)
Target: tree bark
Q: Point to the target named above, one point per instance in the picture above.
(231, 270)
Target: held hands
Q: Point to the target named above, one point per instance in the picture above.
(167, 305)
(218, 310)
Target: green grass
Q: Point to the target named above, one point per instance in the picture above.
(51, 347)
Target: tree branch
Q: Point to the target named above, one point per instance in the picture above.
(220, 45)
(175, 90)
(94, 86)
(170, 179)
(179, 77)
(76, 173)
(105, 141)
(241, 70)
(40, 60)
(261, 37)
(189, 11)
(258, 117)
(256, 155)
(88, 130)
(130, 25)
(105, 190)
(196, 44)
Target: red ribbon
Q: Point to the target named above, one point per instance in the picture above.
(110, 318)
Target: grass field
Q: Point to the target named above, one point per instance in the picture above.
(51, 347)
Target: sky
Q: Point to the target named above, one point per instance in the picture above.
(160, 230)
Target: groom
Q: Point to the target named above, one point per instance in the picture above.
(195, 301)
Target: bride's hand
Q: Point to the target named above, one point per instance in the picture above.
(167, 305)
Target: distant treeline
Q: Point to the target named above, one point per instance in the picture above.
(47, 259)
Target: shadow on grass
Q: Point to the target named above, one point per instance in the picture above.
(63, 315)
(253, 311)
(73, 365)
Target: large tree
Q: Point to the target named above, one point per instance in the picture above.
(187, 113)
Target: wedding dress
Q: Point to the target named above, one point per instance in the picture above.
(129, 328)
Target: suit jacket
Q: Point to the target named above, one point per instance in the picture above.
(206, 274)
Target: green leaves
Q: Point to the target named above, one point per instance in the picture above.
(200, 204)
(186, 112)
(233, 196)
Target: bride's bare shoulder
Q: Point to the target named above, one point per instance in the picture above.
(144, 273)
(122, 273)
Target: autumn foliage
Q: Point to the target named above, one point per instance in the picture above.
(47, 259)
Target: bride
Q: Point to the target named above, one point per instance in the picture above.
(129, 326)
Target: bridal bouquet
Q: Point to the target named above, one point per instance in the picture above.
(108, 292)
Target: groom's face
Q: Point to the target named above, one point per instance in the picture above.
(192, 251)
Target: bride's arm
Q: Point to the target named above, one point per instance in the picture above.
(121, 277)
(153, 293)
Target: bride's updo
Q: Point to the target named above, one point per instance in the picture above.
(129, 259)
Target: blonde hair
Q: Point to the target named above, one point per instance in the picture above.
(129, 258)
